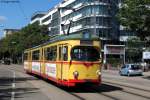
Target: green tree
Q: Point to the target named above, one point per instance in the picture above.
(32, 35)
(134, 50)
(135, 16)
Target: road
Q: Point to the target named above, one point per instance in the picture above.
(15, 84)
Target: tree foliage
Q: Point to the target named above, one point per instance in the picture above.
(135, 16)
(29, 36)
(134, 48)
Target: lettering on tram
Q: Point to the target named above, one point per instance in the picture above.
(67, 60)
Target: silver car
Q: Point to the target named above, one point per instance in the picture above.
(130, 69)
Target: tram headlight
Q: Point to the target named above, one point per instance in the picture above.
(76, 74)
(98, 72)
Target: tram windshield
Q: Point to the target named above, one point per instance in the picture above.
(85, 53)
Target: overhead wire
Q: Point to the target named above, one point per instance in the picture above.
(22, 10)
(15, 2)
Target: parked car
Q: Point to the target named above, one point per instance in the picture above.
(7, 61)
(130, 69)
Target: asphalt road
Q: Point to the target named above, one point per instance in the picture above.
(15, 87)
(15, 84)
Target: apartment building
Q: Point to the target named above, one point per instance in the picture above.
(92, 16)
(87, 16)
(36, 17)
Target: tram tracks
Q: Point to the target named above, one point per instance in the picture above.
(127, 90)
(136, 91)
(104, 94)
(70, 93)
(113, 96)
(129, 86)
(102, 91)
(74, 93)
(105, 89)
(77, 96)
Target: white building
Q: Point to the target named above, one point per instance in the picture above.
(93, 16)
(10, 31)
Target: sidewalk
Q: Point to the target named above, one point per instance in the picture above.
(146, 73)
(110, 71)
(116, 72)
(113, 77)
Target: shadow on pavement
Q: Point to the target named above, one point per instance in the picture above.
(92, 88)
(6, 88)
(17, 79)
(5, 94)
(147, 77)
(87, 88)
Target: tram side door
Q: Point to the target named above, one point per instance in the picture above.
(63, 56)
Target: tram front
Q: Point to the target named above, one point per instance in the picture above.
(85, 65)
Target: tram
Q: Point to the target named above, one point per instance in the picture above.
(67, 60)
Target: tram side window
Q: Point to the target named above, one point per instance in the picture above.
(25, 56)
(36, 55)
(51, 53)
(65, 53)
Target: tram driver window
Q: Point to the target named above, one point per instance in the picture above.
(85, 53)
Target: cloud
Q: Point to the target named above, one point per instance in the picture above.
(3, 18)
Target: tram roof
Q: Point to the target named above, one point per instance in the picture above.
(72, 37)
(69, 37)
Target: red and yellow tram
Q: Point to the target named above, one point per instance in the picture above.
(67, 60)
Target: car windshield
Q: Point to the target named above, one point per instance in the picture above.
(85, 53)
(135, 67)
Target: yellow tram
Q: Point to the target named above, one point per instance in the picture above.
(67, 60)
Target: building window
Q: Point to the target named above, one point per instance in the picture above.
(46, 19)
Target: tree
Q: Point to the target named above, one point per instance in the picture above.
(135, 16)
(134, 48)
(14, 44)
(34, 34)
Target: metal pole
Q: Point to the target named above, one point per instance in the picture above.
(124, 55)
(95, 18)
(102, 23)
(22, 57)
(59, 11)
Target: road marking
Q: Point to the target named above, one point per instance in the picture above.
(12, 95)
(13, 87)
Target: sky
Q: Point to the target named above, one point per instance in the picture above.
(15, 14)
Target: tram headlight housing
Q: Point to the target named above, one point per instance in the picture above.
(98, 72)
(76, 74)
